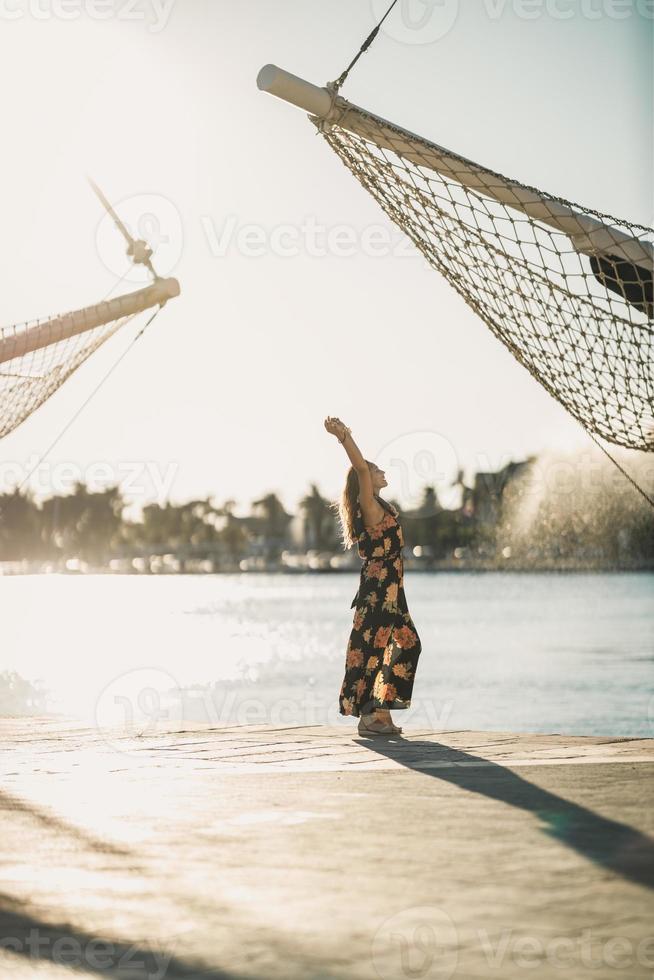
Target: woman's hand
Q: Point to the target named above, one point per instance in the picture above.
(344, 435)
(336, 428)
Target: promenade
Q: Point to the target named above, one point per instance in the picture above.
(308, 852)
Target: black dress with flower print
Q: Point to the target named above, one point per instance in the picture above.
(384, 646)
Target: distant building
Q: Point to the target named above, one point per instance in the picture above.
(484, 500)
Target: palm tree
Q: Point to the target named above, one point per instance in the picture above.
(430, 503)
(465, 508)
(273, 520)
(20, 524)
(85, 524)
(234, 538)
(318, 520)
(178, 528)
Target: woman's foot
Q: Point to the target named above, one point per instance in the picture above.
(383, 715)
(378, 722)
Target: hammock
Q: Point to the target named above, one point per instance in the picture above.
(568, 290)
(37, 357)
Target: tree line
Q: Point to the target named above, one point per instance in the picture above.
(496, 520)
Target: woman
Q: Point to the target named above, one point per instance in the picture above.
(384, 646)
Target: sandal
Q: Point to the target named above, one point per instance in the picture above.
(397, 730)
(381, 728)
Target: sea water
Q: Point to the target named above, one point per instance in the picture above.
(532, 652)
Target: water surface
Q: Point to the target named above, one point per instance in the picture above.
(570, 652)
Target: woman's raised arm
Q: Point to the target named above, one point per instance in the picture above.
(371, 511)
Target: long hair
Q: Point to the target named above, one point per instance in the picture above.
(346, 507)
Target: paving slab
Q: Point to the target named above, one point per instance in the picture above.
(309, 852)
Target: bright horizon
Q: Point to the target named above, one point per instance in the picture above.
(226, 393)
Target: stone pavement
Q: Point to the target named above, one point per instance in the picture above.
(308, 852)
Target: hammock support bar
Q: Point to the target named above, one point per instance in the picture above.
(317, 101)
(79, 321)
(590, 237)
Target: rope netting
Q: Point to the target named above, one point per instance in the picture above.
(567, 289)
(29, 378)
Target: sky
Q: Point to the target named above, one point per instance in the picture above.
(276, 326)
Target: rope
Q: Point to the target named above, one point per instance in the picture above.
(364, 47)
(90, 396)
(28, 380)
(623, 471)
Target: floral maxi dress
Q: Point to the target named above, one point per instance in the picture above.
(384, 646)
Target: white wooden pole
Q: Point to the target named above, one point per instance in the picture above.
(292, 89)
(588, 235)
(16, 344)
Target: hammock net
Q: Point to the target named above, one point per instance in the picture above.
(28, 379)
(575, 306)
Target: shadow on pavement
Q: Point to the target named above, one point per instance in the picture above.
(50, 821)
(608, 843)
(24, 934)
